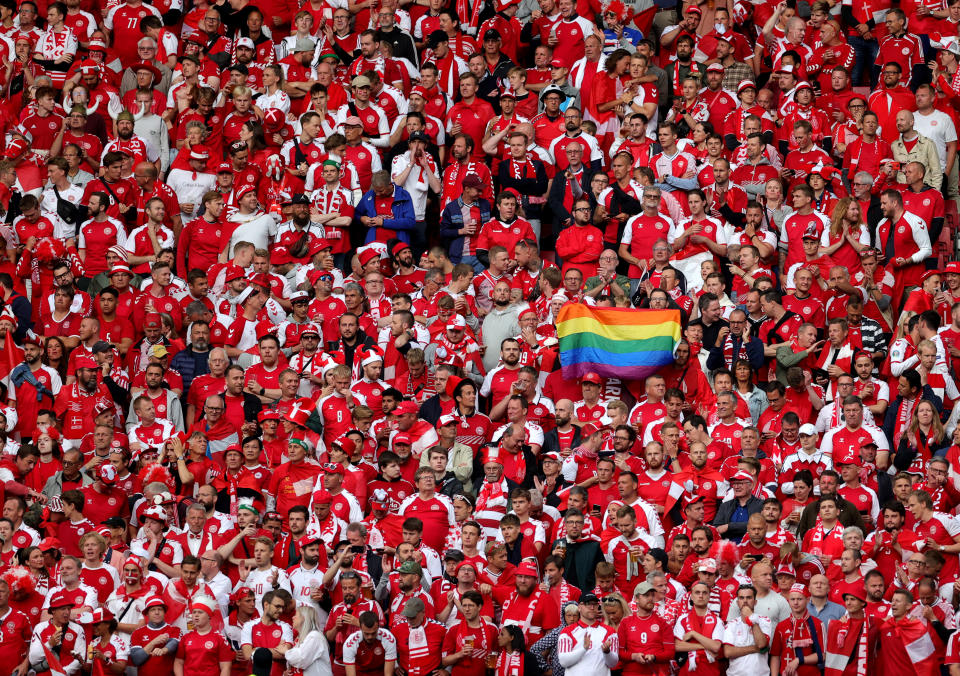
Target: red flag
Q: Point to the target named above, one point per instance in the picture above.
(12, 356)
(56, 669)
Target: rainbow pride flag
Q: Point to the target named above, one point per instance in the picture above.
(623, 343)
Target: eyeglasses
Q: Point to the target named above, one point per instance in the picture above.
(916, 563)
(214, 408)
(582, 209)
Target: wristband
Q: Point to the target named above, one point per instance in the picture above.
(746, 620)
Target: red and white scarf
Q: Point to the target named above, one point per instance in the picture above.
(532, 605)
(904, 413)
(510, 664)
(818, 537)
(843, 646)
(490, 493)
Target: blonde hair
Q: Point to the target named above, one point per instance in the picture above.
(624, 606)
(839, 213)
(310, 622)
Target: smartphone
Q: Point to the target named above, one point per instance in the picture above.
(356, 549)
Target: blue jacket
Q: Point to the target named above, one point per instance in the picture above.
(451, 220)
(403, 219)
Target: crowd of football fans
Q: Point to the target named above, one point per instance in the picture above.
(282, 390)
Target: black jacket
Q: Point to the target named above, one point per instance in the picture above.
(559, 188)
(580, 562)
(348, 350)
(890, 419)
(551, 440)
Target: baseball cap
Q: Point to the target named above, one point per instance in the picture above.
(808, 430)
(410, 568)
(472, 181)
(528, 569)
(406, 407)
(413, 606)
(643, 589)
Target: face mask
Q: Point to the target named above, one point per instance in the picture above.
(720, 28)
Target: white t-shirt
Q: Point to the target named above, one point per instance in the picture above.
(939, 128)
(738, 634)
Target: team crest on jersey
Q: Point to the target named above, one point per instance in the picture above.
(902, 229)
(209, 645)
(102, 579)
(737, 434)
(378, 650)
(863, 498)
(69, 635)
(655, 627)
(706, 484)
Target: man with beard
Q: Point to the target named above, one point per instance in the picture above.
(500, 382)
(306, 578)
(33, 386)
(403, 584)
(501, 322)
(351, 339)
(565, 435)
(344, 618)
(193, 360)
(130, 144)
(845, 640)
(74, 404)
(904, 240)
(263, 638)
(463, 165)
(249, 223)
(528, 606)
(408, 277)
